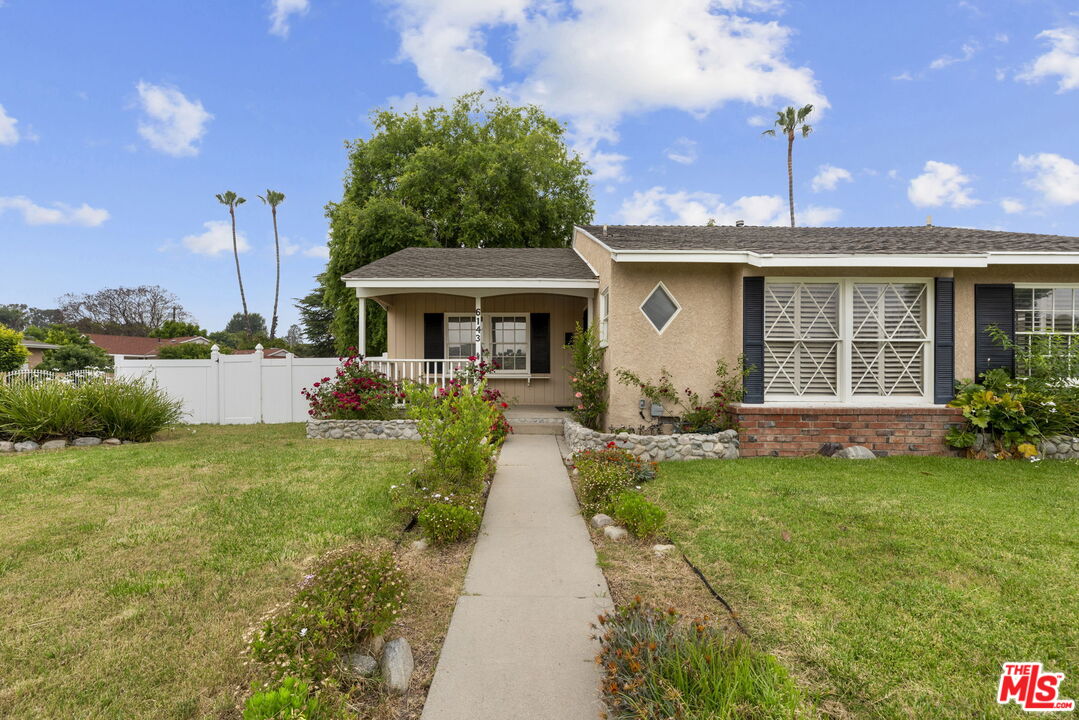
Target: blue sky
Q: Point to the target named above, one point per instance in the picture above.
(121, 119)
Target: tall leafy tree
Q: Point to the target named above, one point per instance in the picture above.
(789, 122)
(479, 173)
(232, 200)
(122, 310)
(317, 320)
(273, 199)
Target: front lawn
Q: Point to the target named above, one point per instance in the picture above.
(893, 588)
(128, 575)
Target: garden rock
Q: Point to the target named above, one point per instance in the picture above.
(613, 532)
(375, 644)
(54, 445)
(855, 452)
(27, 446)
(361, 664)
(663, 550)
(600, 520)
(7, 446)
(397, 664)
(420, 544)
(829, 449)
(112, 441)
(86, 441)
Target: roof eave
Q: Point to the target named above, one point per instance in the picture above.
(765, 260)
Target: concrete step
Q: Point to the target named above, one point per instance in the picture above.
(526, 426)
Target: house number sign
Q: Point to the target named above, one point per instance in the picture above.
(479, 325)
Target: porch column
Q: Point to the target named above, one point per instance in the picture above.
(361, 338)
(479, 328)
(591, 318)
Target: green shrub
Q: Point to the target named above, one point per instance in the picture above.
(443, 523)
(600, 484)
(350, 596)
(457, 426)
(68, 358)
(589, 380)
(292, 700)
(130, 409)
(36, 411)
(356, 392)
(658, 667)
(13, 354)
(639, 470)
(638, 515)
(187, 351)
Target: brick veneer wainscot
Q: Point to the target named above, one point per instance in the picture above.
(792, 432)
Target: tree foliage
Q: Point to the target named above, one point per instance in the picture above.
(12, 352)
(122, 310)
(480, 173)
(789, 121)
(176, 328)
(317, 320)
(18, 316)
(249, 323)
(68, 358)
(188, 351)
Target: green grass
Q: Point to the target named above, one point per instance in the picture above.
(128, 575)
(893, 588)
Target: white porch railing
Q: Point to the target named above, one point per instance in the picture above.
(75, 377)
(429, 372)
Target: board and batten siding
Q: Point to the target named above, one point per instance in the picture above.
(405, 335)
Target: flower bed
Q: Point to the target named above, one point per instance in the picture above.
(362, 430)
(686, 446)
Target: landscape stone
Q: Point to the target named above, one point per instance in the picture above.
(600, 520)
(683, 446)
(397, 664)
(420, 544)
(86, 441)
(855, 452)
(26, 446)
(663, 550)
(54, 444)
(7, 446)
(112, 441)
(375, 644)
(361, 664)
(829, 449)
(614, 532)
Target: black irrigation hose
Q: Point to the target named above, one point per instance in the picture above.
(716, 595)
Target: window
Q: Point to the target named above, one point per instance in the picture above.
(660, 308)
(836, 340)
(460, 341)
(509, 342)
(1044, 312)
(604, 313)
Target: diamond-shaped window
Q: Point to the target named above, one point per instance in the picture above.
(660, 308)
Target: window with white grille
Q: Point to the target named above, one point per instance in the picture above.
(843, 339)
(1046, 311)
(660, 307)
(604, 314)
(460, 341)
(509, 342)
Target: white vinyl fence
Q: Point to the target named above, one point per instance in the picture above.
(235, 389)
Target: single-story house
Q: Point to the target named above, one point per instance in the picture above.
(270, 353)
(855, 335)
(134, 347)
(37, 349)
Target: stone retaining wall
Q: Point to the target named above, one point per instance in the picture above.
(686, 446)
(1062, 447)
(363, 430)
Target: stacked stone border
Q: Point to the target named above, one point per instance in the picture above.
(1062, 447)
(685, 446)
(362, 430)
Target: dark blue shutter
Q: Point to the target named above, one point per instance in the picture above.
(753, 336)
(944, 341)
(433, 344)
(993, 305)
(540, 345)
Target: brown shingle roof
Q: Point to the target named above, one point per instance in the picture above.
(133, 344)
(916, 240)
(469, 263)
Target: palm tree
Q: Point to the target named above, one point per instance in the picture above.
(273, 199)
(788, 121)
(231, 199)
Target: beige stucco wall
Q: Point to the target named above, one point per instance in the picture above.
(405, 335)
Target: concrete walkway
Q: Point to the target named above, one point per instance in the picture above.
(519, 643)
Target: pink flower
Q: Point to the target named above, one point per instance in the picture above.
(577, 395)
(580, 407)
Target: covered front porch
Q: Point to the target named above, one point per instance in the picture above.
(445, 306)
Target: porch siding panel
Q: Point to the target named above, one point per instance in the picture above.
(405, 335)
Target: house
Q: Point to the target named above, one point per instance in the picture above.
(855, 335)
(37, 350)
(270, 353)
(134, 347)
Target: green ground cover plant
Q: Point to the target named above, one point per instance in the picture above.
(893, 588)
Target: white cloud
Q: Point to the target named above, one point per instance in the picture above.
(9, 134)
(941, 184)
(657, 206)
(58, 214)
(321, 252)
(1012, 206)
(595, 61)
(1055, 177)
(280, 11)
(903, 76)
(1061, 60)
(683, 151)
(758, 121)
(969, 50)
(216, 239)
(172, 123)
(829, 176)
(288, 248)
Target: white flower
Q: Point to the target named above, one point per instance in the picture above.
(1051, 404)
(303, 632)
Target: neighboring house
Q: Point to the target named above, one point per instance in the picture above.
(854, 334)
(133, 347)
(268, 353)
(37, 350)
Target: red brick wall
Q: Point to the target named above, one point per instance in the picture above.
(795, 431)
